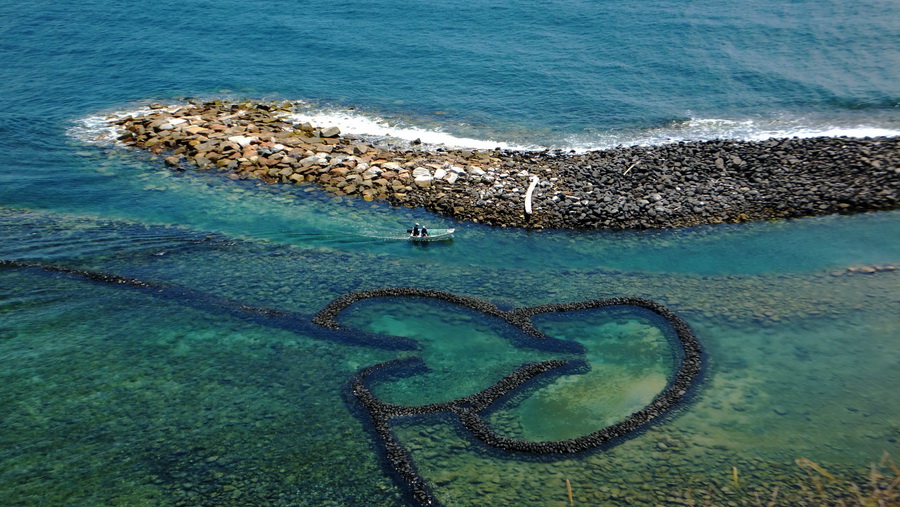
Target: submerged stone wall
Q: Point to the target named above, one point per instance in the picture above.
(674, 185)
(469, 409)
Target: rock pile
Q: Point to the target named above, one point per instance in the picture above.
(868, 270)
(674, 185)
(256, 140)
(726, 181)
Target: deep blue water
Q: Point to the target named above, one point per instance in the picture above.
(115, 396)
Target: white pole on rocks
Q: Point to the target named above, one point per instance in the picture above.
(534, 182)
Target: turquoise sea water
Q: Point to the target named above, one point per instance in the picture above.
(124, 396)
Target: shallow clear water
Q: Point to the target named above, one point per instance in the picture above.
(631, 358)
(120, 388)
(465, 351)
(117, 395)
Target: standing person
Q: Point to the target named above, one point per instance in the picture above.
(415, 231)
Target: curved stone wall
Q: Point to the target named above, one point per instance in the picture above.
(468, 409)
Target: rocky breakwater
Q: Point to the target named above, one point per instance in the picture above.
(673, 185)
(698, 183)
(258, 140)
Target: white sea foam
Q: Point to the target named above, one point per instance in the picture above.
(707, 129)
(762, 129)
(353, 122)
(100, 129)
(696, 129)
(93, 130)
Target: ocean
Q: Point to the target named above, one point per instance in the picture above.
(114, 394)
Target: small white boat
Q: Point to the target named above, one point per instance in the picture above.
(434, 235)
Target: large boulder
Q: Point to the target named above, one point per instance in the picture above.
(331, 132)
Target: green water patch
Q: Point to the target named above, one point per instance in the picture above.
(465, 351)
(819, 389)
(631, 357)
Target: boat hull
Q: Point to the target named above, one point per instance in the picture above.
(435, 235)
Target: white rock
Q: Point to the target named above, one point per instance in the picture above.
(243, 141)
(439, 174)
(451, 178)
(391, 166)
(423, 181)
(456, 169)
(421, 171)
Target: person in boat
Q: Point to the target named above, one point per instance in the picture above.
(424, 231)
(415, 231)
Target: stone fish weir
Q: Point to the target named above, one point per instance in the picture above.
(467, 409)
(675, 185)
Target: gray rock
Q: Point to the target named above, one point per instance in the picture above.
(421, 171)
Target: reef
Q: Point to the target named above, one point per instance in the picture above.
(639, 187)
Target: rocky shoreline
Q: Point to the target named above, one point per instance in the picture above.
(675, 185)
